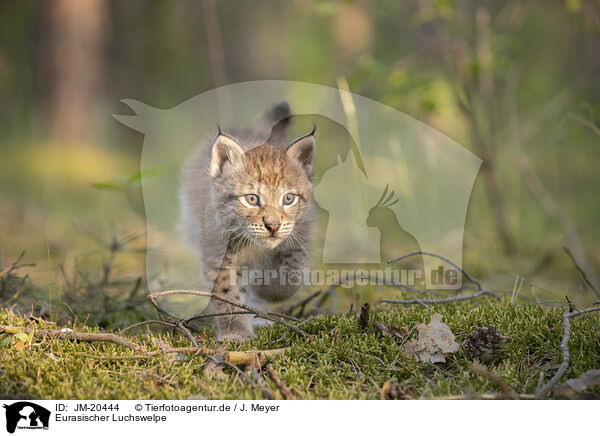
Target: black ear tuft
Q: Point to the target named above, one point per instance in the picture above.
(302, 150)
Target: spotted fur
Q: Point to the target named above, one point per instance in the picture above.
(228, 232)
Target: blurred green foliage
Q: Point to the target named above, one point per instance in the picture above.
(520, 67)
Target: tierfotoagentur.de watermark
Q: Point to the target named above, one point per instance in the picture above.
(345, 278)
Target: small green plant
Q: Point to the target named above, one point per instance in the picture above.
(130, 187)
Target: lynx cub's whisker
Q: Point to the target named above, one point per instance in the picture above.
(248, 203)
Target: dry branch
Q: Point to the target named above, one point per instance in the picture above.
(544, 390)
(494, 379)
(178, 325)
(287, 331)
(244, 358)
(80, 336)
(285, 392)
(256, 358)
(183, 350)
(584, 275)
(256, 312)
(486, 396)
(239, 312)
(586, 122)
(152, 321)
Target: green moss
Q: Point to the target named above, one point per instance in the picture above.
(340, 362)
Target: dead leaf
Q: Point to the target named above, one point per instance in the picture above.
(587, 380)
(434, 342)
(19, 346)
(389, 331)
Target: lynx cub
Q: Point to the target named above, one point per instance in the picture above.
(246, 204)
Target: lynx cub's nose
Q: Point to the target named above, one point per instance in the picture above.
(271, 224)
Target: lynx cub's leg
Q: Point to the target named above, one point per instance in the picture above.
(232, 327)
(289, 263)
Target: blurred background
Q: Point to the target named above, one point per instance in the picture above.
(516, 82)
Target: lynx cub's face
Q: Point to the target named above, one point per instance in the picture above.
(263, 193)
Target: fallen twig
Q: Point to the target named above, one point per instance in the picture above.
(243, 358)
(186, 332)
(80, 336)
(287, 331)
(254, 358)
(285, 392)
(585, 122)
(256, 312)
(545, 389)
(493, 378)
(152, 321)
(486, 396)
(583, 274)
(261, 384)
(239, 312)
(183, 350)
(217, 360)
(178, 325)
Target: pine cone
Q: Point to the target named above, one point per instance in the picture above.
(395, 391)
(485, 344)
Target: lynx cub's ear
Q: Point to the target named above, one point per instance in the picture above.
(302, 150)
(224, 150)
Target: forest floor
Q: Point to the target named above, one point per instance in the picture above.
(341, 359)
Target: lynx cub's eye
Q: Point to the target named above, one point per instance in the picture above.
(250, 200)
(289, 199)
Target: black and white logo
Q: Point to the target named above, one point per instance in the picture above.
(26, 415)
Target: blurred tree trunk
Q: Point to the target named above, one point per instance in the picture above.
(216, 53)
(74, 58)
(475, 91)
(478, 104)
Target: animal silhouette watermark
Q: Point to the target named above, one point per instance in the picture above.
(385, 183)
(26, 415)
